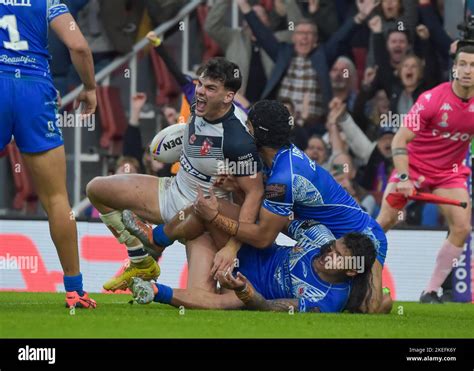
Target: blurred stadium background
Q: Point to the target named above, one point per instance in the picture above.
(192, 32)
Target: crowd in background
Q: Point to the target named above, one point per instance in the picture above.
(342, 67)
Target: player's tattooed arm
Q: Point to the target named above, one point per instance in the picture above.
(252, 299)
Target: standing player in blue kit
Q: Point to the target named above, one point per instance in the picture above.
(28, 112)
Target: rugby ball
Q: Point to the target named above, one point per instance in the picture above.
(166, 146)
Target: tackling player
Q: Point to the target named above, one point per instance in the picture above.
(309, 277)
(28, 108)
(429, 154)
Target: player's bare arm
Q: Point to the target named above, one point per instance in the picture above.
(259, 235)
(400, 159)
(69, 33)
(245, 291)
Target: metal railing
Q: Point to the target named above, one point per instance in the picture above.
(104, 74)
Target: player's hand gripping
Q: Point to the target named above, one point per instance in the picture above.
(224, 261)
(228, 281)
(206, 207)
(407, 188)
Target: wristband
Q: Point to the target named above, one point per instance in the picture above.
(246, 294)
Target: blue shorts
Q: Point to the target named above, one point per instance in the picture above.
(256, 265)
(28, 112)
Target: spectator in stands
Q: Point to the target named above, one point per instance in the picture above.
(393, 63)
(400, 15)
(170, 114)
(374, 157)
(341, 165)
(132, 142)
(127, 165)
(318, 151)
(344, 81)
(301, 71)
(404, 95)
(442, 42)
(323, 13)
(299, 136)
(242, 48)
(368, 109)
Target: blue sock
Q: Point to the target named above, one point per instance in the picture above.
(159, 236)
(165, 294)
(74, 283)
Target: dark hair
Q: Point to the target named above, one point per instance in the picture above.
(405, 32)
(271, 123)
(464, 49)
(223, 70)
(310, 22)
(360, 245)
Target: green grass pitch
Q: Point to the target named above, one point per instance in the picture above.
(42, 315)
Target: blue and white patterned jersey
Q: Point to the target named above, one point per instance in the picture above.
(24, 28)
(287, 272)
(296, 186)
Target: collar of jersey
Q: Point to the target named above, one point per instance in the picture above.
(223, 118)
(278, 154)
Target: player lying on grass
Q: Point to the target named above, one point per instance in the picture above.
(296, 188)
(318, 274)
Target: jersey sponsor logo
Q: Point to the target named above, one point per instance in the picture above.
(446, 107)
(275, 192)
(16, 2)
(186, 165)
(248, 156)
(16, 60)
(457, 136)
(206, 147)
(296, 152)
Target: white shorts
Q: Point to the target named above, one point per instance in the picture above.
(170, 199)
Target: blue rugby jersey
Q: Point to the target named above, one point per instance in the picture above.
(24, 28)
(287, 272)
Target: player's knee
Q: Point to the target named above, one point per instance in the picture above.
(461, 230)
(94, 188)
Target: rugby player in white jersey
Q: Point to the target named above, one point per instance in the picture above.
(215, 139)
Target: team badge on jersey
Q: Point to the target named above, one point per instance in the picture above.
(192, 139)
(206, 147)
(444, 122)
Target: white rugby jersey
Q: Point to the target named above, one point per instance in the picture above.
(213, 148)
